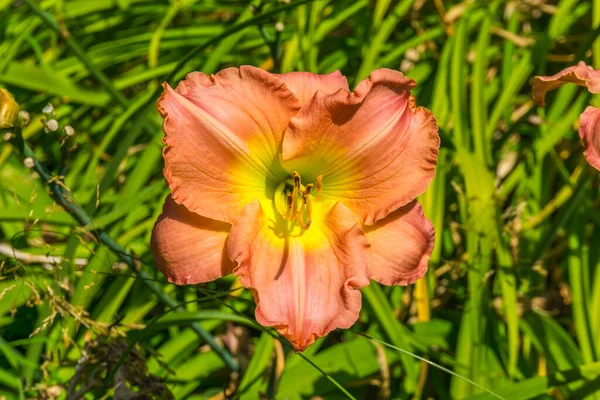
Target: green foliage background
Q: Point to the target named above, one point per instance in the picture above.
(511, 301)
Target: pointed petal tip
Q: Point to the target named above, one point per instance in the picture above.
(299, 344)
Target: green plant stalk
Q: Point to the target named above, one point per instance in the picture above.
(479, 209)
(158, 33)
(458, 86)
(61, 196)
(519, 76)
(577, 279)
(596, 24)
(508, 285)
(381, 7)
(562, 218)
(478, 106)
(507, 57)
(563, 195)
(76, 48)
(393, 329)
(383, 33)
(440, 105)
(393, 55)
(316, 9)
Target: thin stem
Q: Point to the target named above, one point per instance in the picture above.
(62, 196)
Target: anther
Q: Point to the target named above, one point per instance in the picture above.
(297, 180)
(289, 201)
(309, 188)
(319, 186)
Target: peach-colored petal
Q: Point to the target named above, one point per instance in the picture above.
(305, 84)
(304, 286)
(589, 131)
(222, 136)
(580, 74)
(401, 244)
(189, 248)
(374, 148)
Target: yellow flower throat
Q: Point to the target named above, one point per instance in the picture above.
(294, 200)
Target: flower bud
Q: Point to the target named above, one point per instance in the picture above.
(69, 131)
(48, 109)
(24, 118)
(9, 109)
(52, 125)
(28, 162)
(279, 27)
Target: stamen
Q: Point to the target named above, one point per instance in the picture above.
(319, 186)
(288, 211)
(301, 212)
(308, 203)
(308, 188)
(297, 180)
(297, 206)
(295, 193)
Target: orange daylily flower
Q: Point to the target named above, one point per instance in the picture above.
(589, 122)
(301, 188)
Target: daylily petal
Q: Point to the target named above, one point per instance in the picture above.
(222, 136)
(304, 286)
(580, 74)
(305, 84)
(589, 131)
(401, 244)
(375, 149)
(189, 248)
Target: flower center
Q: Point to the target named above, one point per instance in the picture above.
(293, 200)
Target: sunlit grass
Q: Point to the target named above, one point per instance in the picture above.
(511, 302)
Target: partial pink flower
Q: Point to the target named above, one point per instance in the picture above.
(301, 188)
(580, 74)
(589, 131)
(589, 123)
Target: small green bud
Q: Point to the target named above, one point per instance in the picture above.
(9, 109)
